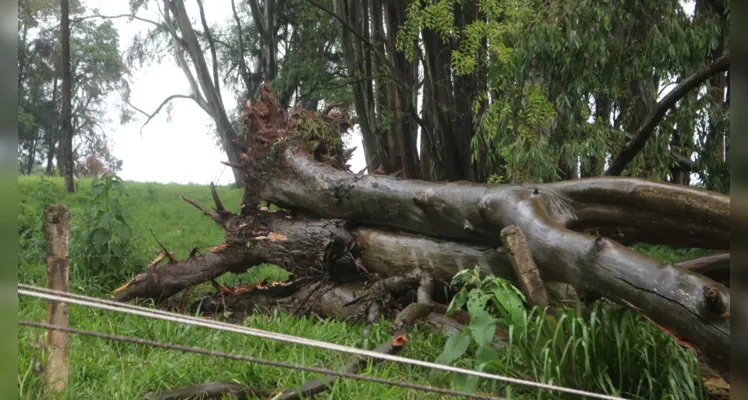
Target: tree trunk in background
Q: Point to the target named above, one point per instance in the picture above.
(680, 173)
(375, 144)
(404, 128)
(465, 90)
(67, 127)
(593, 165)
(443, 152)
(52, 136)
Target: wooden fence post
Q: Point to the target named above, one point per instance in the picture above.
(57, 312)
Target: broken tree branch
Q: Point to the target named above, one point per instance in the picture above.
(714, 266)
(524, 266)
(210, 390)
(158, 109)
(634, 146)
(403, 322)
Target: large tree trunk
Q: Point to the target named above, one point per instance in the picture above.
(205, 88)
(67, 128)
(383, 226)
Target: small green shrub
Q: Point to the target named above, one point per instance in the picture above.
(610, 350)
(102, 243)
(31, 241)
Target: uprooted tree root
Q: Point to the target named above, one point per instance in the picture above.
(373, 227)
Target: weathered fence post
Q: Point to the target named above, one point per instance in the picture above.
(57, 312)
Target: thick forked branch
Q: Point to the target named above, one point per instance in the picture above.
(309, 247)
(675, 298)
(688, 305)
(634, 146)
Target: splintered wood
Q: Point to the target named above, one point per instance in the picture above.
(527, 272)
(57, 312)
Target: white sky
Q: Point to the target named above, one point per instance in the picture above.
(184, 149)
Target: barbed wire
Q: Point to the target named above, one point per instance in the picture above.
(279, 364)
(48, 294)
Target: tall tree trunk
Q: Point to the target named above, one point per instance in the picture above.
(405, 125)
(375, 143)
(67, 128)
(207, 83)
(680, 173)
(52, 134)
(32, 150)
(440, 140)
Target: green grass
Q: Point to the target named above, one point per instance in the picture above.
(101, 369)
(109, 370)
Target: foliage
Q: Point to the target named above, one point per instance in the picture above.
(103, 242)
(566, 80)
(120, 371)
(96, 71)
(319, 134)
(608, 350)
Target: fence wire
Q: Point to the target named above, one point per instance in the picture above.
(52, 295)
(198, 350)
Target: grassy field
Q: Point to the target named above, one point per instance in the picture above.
(110, 370)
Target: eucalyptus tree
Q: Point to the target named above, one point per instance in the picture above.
(96, 72)
(577, 82)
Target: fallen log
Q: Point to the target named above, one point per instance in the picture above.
(576, 230)
(556, 219)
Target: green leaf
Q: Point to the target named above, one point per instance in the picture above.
(483, 328)
(455, 347)
(465, 383)
(476, 302)
(123, 231)
(485, 356)
(116, 249)
(119, 186)
(106, 221)
(510, 303)
(100, 239)
(457, 302)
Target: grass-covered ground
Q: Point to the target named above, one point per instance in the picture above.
(111, 370)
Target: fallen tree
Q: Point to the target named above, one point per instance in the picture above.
(370, 228)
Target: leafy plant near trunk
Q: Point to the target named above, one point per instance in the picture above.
(607, 350)
(104, 241)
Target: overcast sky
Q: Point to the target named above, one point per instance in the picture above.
(182, 150)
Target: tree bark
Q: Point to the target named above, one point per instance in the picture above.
(524, 267)
(211, 102)
(565, 224)
(67, 127)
